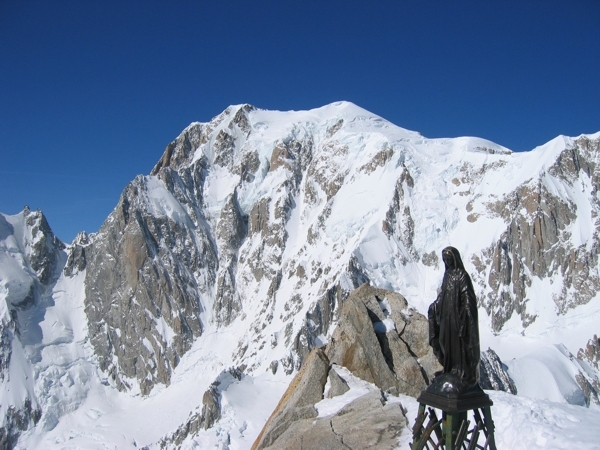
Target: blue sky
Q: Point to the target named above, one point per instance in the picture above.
(91, 92)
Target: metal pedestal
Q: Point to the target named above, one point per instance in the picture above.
(451, 431)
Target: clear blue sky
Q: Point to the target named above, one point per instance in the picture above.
(91, 92)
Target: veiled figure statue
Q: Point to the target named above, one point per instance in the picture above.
(453, 326)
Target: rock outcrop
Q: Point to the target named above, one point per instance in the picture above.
(493, 373)
(206, 415)
(589, 377)
(368, 421)
(16, 421)
(537, 241)
(383, 341)
(147, 269)
(337, 385)
(378, 339)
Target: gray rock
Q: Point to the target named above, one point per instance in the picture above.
(399, 221)
(337, 385)
(44, 250)
(141, 271)
(589, 379)
(493, 373)
(299, 399)
(367, 422)
(179, 151)
(537, 243)
(230, 233)
(208, 414)
(591, 353)
(211, 408)
(76, 261)
(7, 330)
(16, 421)
(41, 256)
(381, 357)
(390, 360)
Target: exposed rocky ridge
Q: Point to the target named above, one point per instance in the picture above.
(591, 352)
(32, 258)
(537, 241)
(37, 252)
(368, 421)
(589, 378)
(77, 261)
(16, 421)
(383, 341)
(493, 373)
(379, 339)
(147, 272)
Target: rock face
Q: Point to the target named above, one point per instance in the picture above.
(367, 422)
(493, 374)
(380, 340)
(383, 341)
(36, 254)
(208, 414)
(591, 354)
(588, 378)
(148, 267)
(537, 240)
(298, 402)
(17, 421)
(337, 385)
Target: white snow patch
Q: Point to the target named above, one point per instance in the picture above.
(385, 326)
(161, 202)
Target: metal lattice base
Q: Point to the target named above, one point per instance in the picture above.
(451, 431)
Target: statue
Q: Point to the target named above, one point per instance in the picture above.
(454, 338)
(453, 327)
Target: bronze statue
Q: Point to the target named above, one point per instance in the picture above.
(453, 327)
(454, 338)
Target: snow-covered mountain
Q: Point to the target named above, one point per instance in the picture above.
(217, 274)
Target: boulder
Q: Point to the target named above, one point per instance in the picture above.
(383, 341)
(337, 385)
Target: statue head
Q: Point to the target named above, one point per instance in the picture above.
(452, 259)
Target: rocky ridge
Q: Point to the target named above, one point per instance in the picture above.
(31, 260)
(379, 343)
(537, 241)
(493, 374)
(368, 342)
